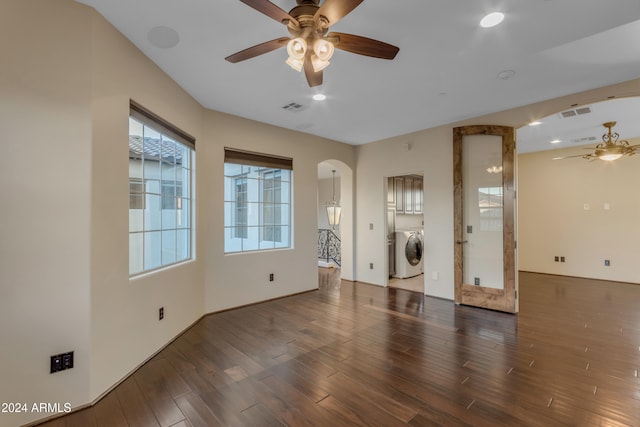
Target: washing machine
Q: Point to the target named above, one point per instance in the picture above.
(408, 254)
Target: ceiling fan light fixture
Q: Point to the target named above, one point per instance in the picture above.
(318, 64)
(323, 49)
(294, 63)
(610, 157)
(296, 48)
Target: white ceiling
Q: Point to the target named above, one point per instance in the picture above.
(447, 68)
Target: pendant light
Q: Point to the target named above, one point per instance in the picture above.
(333, 208)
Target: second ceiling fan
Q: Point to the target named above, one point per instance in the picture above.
(311, 45)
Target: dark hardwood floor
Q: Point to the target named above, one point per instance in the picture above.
(354, 354)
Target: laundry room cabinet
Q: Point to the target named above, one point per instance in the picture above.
(405, 194)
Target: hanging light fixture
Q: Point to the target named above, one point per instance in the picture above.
(296, 48)
(333, 208)
(610, 148)
(323, 51)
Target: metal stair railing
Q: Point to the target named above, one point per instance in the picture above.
(329, 246)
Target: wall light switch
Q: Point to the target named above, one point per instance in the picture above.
(435, 275)
(587, 207)
(606, 206)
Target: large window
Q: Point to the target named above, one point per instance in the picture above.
(161, 164)
(257, 201)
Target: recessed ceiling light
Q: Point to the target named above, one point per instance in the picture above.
(492, 19)
(535, 123)
(163, 37)
(555, 141)
(319, 97)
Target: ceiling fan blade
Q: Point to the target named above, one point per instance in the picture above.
(364, 46)
(259, 49)
(313, 78)
(335, 10)
(569, 157)
(271, 10)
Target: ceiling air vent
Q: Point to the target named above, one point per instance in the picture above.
(576, 112)
(584, 140)
(293, 107)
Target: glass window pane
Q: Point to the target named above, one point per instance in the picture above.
(253, 237)
(229, 214)
(182, 177)
(282, 232)
(168, 247)
(183, 244)
(267, 241)
(183, 156)
(152, 170)
(231, 243)
(184, 213)
(152, 213)
(136, 251)
(168, 150)
(169, 218)
(153, 186)
(136, 218)
(152, 250)
(253, 214)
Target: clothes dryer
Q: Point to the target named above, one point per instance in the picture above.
(408, 254)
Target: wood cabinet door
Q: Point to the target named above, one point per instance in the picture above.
(417, 196)
(408, 195)
(398, 183)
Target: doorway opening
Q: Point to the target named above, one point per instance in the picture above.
(405, 232)
(334, 223)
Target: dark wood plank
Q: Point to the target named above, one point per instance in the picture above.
(108, 412)
(134, 406)
(356, 354)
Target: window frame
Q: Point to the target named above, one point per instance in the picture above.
(264, 179)
(172, 158)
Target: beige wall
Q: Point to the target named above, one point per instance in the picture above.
(65, 83)
(553, 221)
(45, 187)
(431, 154)
(379, 160)
(242, 278)
(124, 311)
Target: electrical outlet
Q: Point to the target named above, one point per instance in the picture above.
(607, 263)
(561, 259)
(61, 362)
(556, 259)
(271, 277)
(476, 281)
(161, 313)
(370, 266)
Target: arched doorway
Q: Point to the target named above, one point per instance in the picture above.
(335, 241)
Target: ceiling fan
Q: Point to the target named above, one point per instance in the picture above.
(310, 45)
(609, 149)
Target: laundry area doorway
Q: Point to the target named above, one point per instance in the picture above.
(405, 232)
